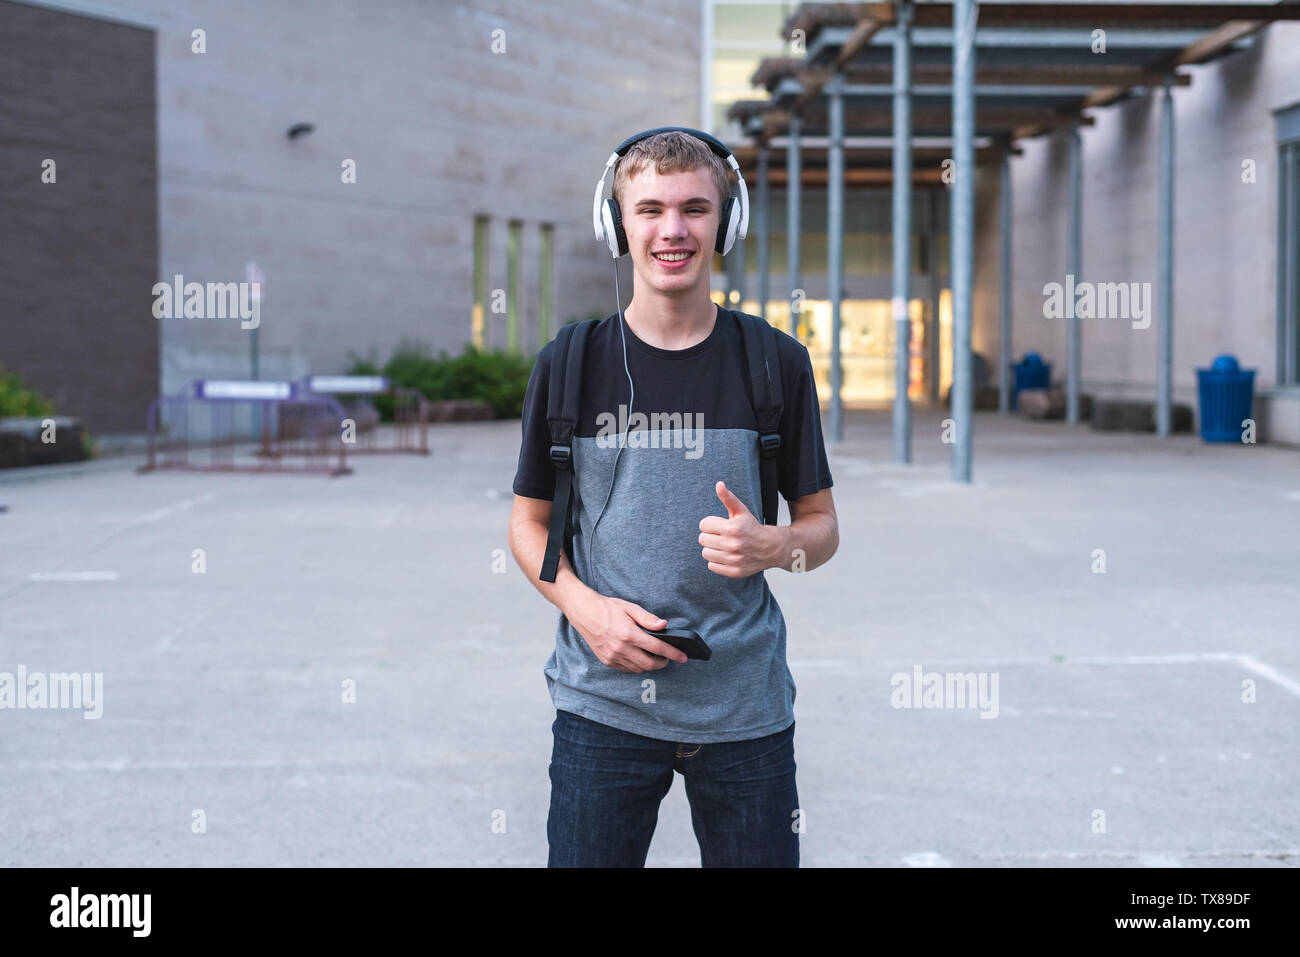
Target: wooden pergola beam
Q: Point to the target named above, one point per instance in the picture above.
(812, 82)
(867, 28)
(860, 119)
(1104, 96)
(856, 177)
(1231, 22)
(1173, 15)
(1216, 41)
(1020, 76)
(867, 157)
(1057, 123)
(772, 69)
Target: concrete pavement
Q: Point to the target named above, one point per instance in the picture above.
(1120, 694)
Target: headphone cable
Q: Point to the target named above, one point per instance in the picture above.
(618, 300)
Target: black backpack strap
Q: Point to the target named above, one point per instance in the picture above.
(764, 365)
(562, 408)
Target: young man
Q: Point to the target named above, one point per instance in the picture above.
(665, 535)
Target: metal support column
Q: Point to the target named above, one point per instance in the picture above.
(835, 243)
(1074, 267)
(1288, 267)
(793, 229)
(902, 195)
(964, 15)
(1004, 335)
(1165, 267)
(761, 223)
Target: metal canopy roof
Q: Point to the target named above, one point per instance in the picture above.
(1004, 71)
(1035, 71)
(869, 151)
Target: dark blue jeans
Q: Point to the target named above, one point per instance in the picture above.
(607, 784)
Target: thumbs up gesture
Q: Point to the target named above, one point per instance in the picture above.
(739, 545)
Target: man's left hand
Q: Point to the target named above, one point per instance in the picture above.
(739, 545)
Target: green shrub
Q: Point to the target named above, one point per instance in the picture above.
(498, 377)
(20, 403)
(17, 402)
(369, 366)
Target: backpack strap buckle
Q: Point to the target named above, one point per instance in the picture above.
(562, 457)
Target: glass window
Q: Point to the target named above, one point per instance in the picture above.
(546, 265)
(514, 242)
(477, 311)
(743, 33)
(868, 236)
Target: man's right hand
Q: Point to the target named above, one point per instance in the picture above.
(610, 628)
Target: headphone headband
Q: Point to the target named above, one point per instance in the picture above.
(713, 142)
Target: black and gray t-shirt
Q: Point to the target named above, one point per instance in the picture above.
(636, 528)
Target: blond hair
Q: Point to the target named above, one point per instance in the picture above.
(671, 152)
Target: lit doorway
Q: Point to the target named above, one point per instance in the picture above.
(866, 313)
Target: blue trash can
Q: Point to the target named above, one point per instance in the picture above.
(1226, 392)
(1031, 372)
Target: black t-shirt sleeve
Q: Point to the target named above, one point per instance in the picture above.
(535, 474)
(802, 468)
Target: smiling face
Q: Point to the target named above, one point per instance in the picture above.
(671, 221)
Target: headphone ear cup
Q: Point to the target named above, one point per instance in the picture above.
(607, 227)
(612, 217)
(727, 224)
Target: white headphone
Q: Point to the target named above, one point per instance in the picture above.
(607, 218)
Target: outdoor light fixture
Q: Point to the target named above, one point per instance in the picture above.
(299, 129)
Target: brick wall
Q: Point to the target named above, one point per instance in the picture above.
(79, 256)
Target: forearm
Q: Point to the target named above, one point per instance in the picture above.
(528, 544)
(806, 543)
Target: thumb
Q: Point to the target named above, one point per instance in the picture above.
(734, 505)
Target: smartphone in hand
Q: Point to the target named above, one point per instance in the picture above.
(683, 640)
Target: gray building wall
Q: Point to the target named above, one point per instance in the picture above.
(78, 255)
(440, 128)
(1225, 231)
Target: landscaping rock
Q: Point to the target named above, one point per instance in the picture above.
(1041, 403)
(1050, 404)
(1133, 415)
(983, 398)
(20, 442)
